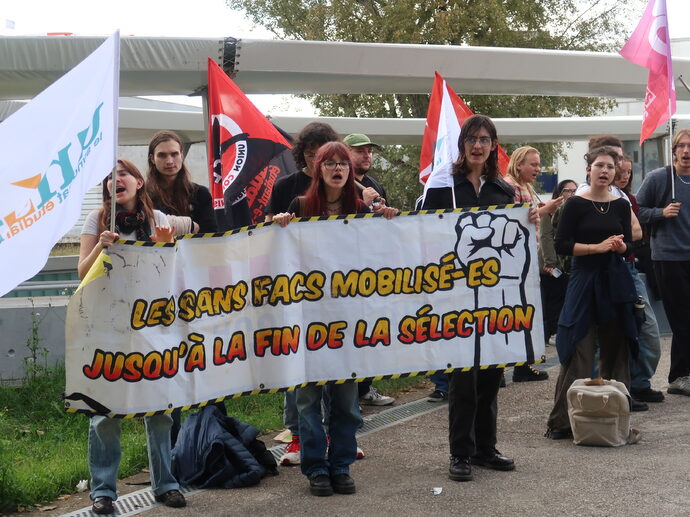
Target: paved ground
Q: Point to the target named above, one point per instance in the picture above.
(406, 465)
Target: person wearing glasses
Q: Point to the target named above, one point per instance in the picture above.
(374, 196)
(554, 269)
(472, 396)
(327, 466)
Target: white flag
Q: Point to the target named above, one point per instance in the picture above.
(446, 147)
(54, 149)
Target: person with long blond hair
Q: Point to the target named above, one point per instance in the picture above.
(523, 169)
(135, 219)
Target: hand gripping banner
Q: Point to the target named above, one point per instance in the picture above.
(159, 326)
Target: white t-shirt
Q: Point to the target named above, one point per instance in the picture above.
(584, 187)
(91, 224)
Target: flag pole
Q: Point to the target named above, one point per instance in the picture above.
(669, 149)
(116, 124)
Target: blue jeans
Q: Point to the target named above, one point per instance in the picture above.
(643, 367)
(104, 454)
(440, 380)
(290, 414)
(344, 419)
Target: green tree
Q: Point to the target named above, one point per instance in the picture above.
(552, 24)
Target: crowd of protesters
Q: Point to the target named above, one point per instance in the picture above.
(588, 237)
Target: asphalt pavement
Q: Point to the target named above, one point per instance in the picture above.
(405, 469)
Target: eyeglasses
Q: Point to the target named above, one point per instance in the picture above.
(484, 141)
(682, 146)
(568, 191)
(329, 165)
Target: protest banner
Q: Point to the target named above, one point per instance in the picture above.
(157, 326)
(54, 149)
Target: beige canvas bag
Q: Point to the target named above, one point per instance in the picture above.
(599, 413)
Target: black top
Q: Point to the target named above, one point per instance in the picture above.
(285, 190)
(368, 181)
(583, 221)
(201, 208)
(492, 192)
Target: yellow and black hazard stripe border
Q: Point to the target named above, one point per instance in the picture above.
(262, 391)
(344, 218)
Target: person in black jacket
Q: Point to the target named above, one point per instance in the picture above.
(472, 408)
(170, 186)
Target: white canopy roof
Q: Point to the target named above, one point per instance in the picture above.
(140, 118)
(166, 66)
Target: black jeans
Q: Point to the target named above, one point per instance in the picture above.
(673, 279)
(472, 411)
(552, 299)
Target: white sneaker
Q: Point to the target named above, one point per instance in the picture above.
(291, 455)
(374, 398)
(552, 340)
(680, 386)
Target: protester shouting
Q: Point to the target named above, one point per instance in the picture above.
(472, 406)
(595, 228)
(332, 192)
(135, 219)
(285, 190)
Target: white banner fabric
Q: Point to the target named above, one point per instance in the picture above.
(54, 149)
(158, 327)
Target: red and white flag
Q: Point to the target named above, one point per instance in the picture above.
(650, 47)
(445, 116)
(241, 140)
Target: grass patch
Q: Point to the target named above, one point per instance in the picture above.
(43, 449)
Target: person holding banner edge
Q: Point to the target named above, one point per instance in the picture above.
(327, 465)
(170, 187)
(472, 397)
(135, 220)
(309, 139)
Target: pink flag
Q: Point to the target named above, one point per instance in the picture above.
(650, 46)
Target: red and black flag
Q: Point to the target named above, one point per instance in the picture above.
(241, 144)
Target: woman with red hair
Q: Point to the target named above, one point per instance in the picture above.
(332, 192)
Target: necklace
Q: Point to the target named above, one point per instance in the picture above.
(335, 201)
(600, 208)
(681, 179)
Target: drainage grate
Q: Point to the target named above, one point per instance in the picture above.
(132, 503)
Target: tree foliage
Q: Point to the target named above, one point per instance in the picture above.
(551, 24)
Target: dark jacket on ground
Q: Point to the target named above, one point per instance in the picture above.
(214, 450)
